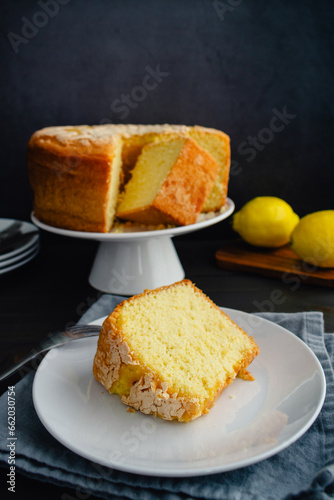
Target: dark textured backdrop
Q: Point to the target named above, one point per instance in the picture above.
(261, 71)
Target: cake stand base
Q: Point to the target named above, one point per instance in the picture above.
(127, 263)
(131, 266)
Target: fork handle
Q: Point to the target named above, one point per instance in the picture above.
(25, 360)
(78, 331)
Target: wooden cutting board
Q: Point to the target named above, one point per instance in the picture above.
(280, 263)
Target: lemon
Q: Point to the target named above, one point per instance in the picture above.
(265, 221)
(313, 238)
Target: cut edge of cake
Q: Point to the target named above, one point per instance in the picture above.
(178, 176)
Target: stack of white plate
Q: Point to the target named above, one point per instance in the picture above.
(19, 248)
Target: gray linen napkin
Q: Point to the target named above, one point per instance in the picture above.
(304, 470)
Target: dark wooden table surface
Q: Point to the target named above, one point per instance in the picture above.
(53, 291)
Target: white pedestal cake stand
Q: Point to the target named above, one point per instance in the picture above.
(127, 263)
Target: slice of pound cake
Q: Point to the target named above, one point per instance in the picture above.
(170, 183)
(170, 352)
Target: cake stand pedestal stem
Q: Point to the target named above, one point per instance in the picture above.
(129, 267)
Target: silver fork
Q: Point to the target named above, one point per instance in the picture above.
(53, 340)
(10, 231)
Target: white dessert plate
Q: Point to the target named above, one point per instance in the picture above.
(20, 262)
(139, 232)
(18, 257)
(250, 422)
(20, 247)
